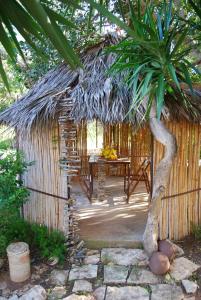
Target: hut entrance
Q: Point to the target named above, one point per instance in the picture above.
(114, 211)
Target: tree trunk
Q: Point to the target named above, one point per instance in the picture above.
(160, 181)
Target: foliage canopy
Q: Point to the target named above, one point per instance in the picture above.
(35, 30)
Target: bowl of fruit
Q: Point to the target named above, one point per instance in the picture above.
(109, 153)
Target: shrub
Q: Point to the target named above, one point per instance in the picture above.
(12, 227)
(12, 192)
(47, 243)
(5, 144)
(12, 196)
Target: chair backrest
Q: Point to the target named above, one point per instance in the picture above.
(145, 164)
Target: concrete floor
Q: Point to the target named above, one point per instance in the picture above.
(112, 222)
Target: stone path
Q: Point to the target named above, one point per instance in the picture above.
(116, 274)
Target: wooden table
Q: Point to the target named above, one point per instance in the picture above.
(125, 162)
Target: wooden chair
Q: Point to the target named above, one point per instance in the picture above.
(141, 175)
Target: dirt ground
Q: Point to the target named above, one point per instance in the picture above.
(192, 250)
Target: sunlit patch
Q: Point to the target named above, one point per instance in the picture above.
(113, 218)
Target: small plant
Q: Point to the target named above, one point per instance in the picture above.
(5, 144)
(12, 192)
(12, 196)
(3, 245)
(196, 230)
(49, 243)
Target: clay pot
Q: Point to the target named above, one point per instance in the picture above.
(159, 263)
(167, 248)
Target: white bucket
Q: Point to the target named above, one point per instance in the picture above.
(19, 261)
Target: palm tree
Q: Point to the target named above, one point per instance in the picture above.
(33, 20)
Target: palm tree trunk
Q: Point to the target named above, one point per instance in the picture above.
(160, 181)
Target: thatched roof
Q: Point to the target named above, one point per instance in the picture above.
(95, 94)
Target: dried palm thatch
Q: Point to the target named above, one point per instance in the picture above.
(96, 95)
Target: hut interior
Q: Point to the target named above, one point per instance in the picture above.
(109, 215)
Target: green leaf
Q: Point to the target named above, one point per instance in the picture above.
(132, 15)
(17, 22)
(121, 9)
(179, 42)
(139, 9)
(168, 15)
(89, 19)
(187, 77)
(3, 76)
(107, 14)
(141, 29)
(27, 38)
(18, 15)
(160, 30)
(173, 75)
(52, 31)
(147, 79)
(197, 71)
(196, 8)
(13, 36)
(59, 18)
(160, 95)
(137, 71)
(7, 43)
(101, 17)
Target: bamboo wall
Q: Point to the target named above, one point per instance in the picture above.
(141, 147)
(180, 212)
(135, 144)
(129, 143)
(82, 147)
(42, 148)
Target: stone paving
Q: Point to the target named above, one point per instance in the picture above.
(115, 274)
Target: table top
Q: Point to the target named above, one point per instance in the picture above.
(96, 160)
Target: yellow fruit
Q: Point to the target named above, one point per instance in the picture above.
(109, 153)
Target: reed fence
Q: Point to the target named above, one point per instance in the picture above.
(181, 206)
(42, 148)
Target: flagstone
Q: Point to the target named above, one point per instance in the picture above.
(82, 286)
(166, 292)
(189, 286)
(99, 293)
(125, 257)
(182, 268)
(83, 272)
(115, 274)
(127, 293)
(143, 276)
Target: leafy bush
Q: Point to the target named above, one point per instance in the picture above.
(12, 192)
(3, 245)
(5, 144)
(12, 227)
(39, 237)
(49, 243)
